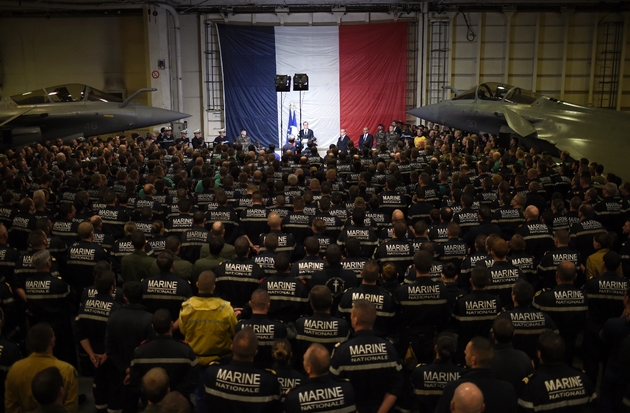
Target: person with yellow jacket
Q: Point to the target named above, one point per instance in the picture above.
(19, 395)
(208, 324)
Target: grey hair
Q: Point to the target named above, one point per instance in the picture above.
(40, 259)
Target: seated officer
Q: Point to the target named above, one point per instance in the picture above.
(322, 392)
(554, 385)
(369, 362)
(239, 386)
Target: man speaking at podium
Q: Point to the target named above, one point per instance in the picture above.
(306, 133)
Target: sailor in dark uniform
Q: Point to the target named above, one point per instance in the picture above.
(239, 386)
(322, 392)
(554, 386)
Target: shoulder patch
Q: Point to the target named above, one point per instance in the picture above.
(213, 363)
(337, 345)
(272, 372)
(526, 379)
(420, 365)
(539, 292)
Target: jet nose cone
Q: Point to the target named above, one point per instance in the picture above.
(429, 113)
(148, 116)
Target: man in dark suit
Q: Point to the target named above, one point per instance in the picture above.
(306, 133)
(366, 140)
(289, 146)
(343, 141)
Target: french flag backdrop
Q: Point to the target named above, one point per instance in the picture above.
(357, 78)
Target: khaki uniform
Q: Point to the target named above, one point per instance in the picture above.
(19, 397)
(380, 138)
(136, 266)
(244, 140)
(392, 140)
(209, 263)
(183, 269)
(227, 253)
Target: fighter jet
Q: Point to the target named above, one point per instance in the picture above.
(73, 110)
(552, 125)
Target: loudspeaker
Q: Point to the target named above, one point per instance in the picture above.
(300, 81)
(283, 83)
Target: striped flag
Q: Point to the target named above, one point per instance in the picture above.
(357, 78)
(293, 128)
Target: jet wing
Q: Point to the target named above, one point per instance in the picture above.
(17, 115)
(516, 122)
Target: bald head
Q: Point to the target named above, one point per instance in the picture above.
(316, 360)
(155, 385)
(218, 229)
(397, 215)
(205, 282)
(531, 212)
(274, 221)
(467, 399)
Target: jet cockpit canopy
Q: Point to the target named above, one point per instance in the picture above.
(499, 92)
(72, 92)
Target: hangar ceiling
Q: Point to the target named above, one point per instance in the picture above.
(31, 7)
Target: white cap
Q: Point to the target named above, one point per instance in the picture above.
(167, 128)
(197, 131)
(185, 131)
(222, 130)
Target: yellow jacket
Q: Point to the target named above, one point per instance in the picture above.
(19, 398)
(595, 264)
(208, 325)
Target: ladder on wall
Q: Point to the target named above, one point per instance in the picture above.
(609, 63)
(439, 30)
(412, 65)
(213, 75)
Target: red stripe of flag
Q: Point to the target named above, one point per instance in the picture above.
(372, 76)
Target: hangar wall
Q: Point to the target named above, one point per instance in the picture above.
(577, 57)
(107, 53)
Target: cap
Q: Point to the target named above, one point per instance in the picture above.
(222, 130)
(168, 128)
(185, 131)
(197, 131)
